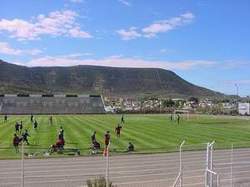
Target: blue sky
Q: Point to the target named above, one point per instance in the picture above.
(207, 42)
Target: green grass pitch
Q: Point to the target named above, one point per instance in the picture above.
(149, 133)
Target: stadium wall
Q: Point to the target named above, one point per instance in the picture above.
(51, 104)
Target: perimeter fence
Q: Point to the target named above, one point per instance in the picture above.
(210, 164)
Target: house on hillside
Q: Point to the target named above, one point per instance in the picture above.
(244, 108)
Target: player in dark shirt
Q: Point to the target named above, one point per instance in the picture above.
(130, 147)
(5, 118)
(21, 126)
(50, 120)
(61, 133)
(17, 127)
(122, 119)
(31, 118)
(25, 135)
(93, 138)
(16, 141)
(178, 118)
(118, 130)
(35, 125)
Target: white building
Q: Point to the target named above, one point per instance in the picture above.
(109, 109)
(244, 108)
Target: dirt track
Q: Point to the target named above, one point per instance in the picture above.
(129, 170)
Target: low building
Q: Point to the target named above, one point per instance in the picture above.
(244, 108)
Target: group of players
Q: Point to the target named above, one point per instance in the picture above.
(107, 137)
(59, 145)
(22, 136)
(173, 117)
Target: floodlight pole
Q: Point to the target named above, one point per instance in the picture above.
(237, 95)
(237, 90)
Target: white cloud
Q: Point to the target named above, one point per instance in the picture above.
(33, 51)
(157, 27)
(117, 61)
(125, 2)
(167, 25)
(76, 55)
(77, 33)
(56, 23)
(6, 49)
(129, 34)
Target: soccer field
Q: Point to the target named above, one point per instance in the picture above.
(149, 133)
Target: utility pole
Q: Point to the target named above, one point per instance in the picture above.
(237, 94)
(237, 90)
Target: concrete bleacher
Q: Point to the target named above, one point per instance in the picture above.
(58, 104)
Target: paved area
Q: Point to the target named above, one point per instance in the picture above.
(152, 170)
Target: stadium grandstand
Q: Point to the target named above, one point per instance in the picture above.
(51, 104)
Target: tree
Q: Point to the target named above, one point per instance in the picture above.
(168, 103)
(195, 100)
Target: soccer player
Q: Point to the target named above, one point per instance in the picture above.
(106, 142)
(131, 147)
(118, 130)
(171, 117)
(95, 145)
(25, 135)
(35, 124)
(16, 141)
(93, 138)
(107, 139)
(17, 127)
(61, 133)
(5, 118)
(31, 118)
(60, 144)
(50, 120)
(178, 118)
(21, 126)
(122, 119)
